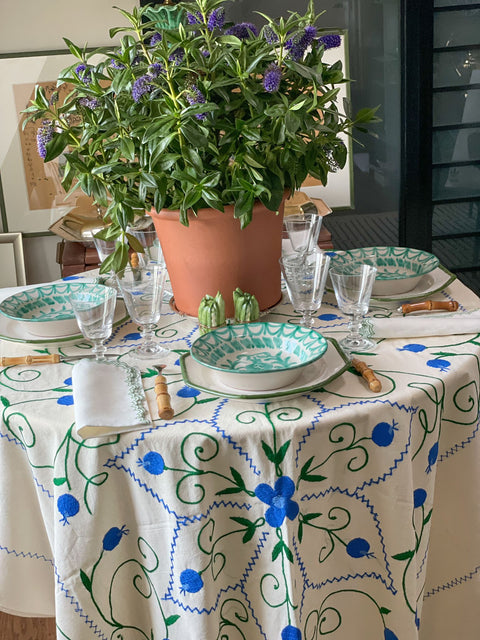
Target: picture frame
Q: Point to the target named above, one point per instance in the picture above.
(12, 273)
(32, 195)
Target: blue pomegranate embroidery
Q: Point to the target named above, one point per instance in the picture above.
(291, 633)
(415, 348)
(359, 548)
(68, 507)
(153, 463)
(383, 433)
(191, 581)
(432, 457)
(113, 537)
(419, 497)
(443, 365)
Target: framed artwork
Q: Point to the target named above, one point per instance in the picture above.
(338, 192)
(12, 273)
(33, 197)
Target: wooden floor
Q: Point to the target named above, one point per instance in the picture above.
(17, 628)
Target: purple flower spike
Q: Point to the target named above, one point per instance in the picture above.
(330, 41)
(195, 96)
(177, 56)
(88, 103)
(44, 135)
(243, 30)
(272, 77)
(141, 86)
(156, 69)
(270, 35)
(84, 73)
(297, 45)
(155, 39)
(194, 18)
(216, 19)
(116, 65)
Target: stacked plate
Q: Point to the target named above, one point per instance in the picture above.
(44, 312)
(260, 360)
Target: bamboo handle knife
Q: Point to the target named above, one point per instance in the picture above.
(367, 374)
(429, 305)
(165, 411)
(52, 358)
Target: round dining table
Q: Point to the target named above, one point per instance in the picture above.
(321, 510)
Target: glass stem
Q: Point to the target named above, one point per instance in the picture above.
(99, 349)
(147, 333)
(356, 327)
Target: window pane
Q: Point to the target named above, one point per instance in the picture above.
(451, 68)
(456, 145)
(456, 182)
(453, 28)
(458, 217)
(456, 107)
(451, 3)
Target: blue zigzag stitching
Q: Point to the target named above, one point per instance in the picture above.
(422, 564)
(453, 583)
(456, 447)
(229, 439)
(94, 627)
(26, 554)
(397, 461)
(376, 520)
(44, 489)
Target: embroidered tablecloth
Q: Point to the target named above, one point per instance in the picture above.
(339, 513)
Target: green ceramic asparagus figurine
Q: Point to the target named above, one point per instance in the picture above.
(211, 313)
(246, 306)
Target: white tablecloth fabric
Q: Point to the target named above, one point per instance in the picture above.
(341, 513)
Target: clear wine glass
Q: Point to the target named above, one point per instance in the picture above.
(305, 276)
(142, 289)
(353, 289)
(303, 231)
(94, 311)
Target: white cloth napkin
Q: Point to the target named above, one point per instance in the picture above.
(437, 324)
(108, 398)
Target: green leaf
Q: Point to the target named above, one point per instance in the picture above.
(242, 521)
(277, 549)
(384, 611)
(281, 452)
(427, 517)
(73, 48)
(288, 553)
(56, 146)
(171, 619)
(406, 555)
(310, 516)
(237, 477)
(300, 532)
(59, 481)
(86, 581)
(268, 451)
(229, 490)
(5, 401)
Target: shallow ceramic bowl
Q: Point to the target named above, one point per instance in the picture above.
(45, 311)
(399, 269)
(258, 355)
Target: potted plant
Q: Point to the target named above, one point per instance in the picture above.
(206, 117)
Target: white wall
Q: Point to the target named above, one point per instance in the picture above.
(40, 25)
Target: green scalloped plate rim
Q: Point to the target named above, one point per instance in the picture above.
(39, 340)
(279, 394)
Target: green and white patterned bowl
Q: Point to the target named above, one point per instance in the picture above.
(399, 269)
(45, 311)
(258, 355)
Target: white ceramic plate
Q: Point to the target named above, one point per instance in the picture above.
(13, 330)
(429, 284)
(331, 365)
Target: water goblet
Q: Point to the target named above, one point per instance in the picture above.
(142, 289)
(303, 231)
(305, 276)
(353, 289)
(147, 236)
(94, 312)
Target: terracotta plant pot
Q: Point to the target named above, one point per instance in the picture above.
(215, 254)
